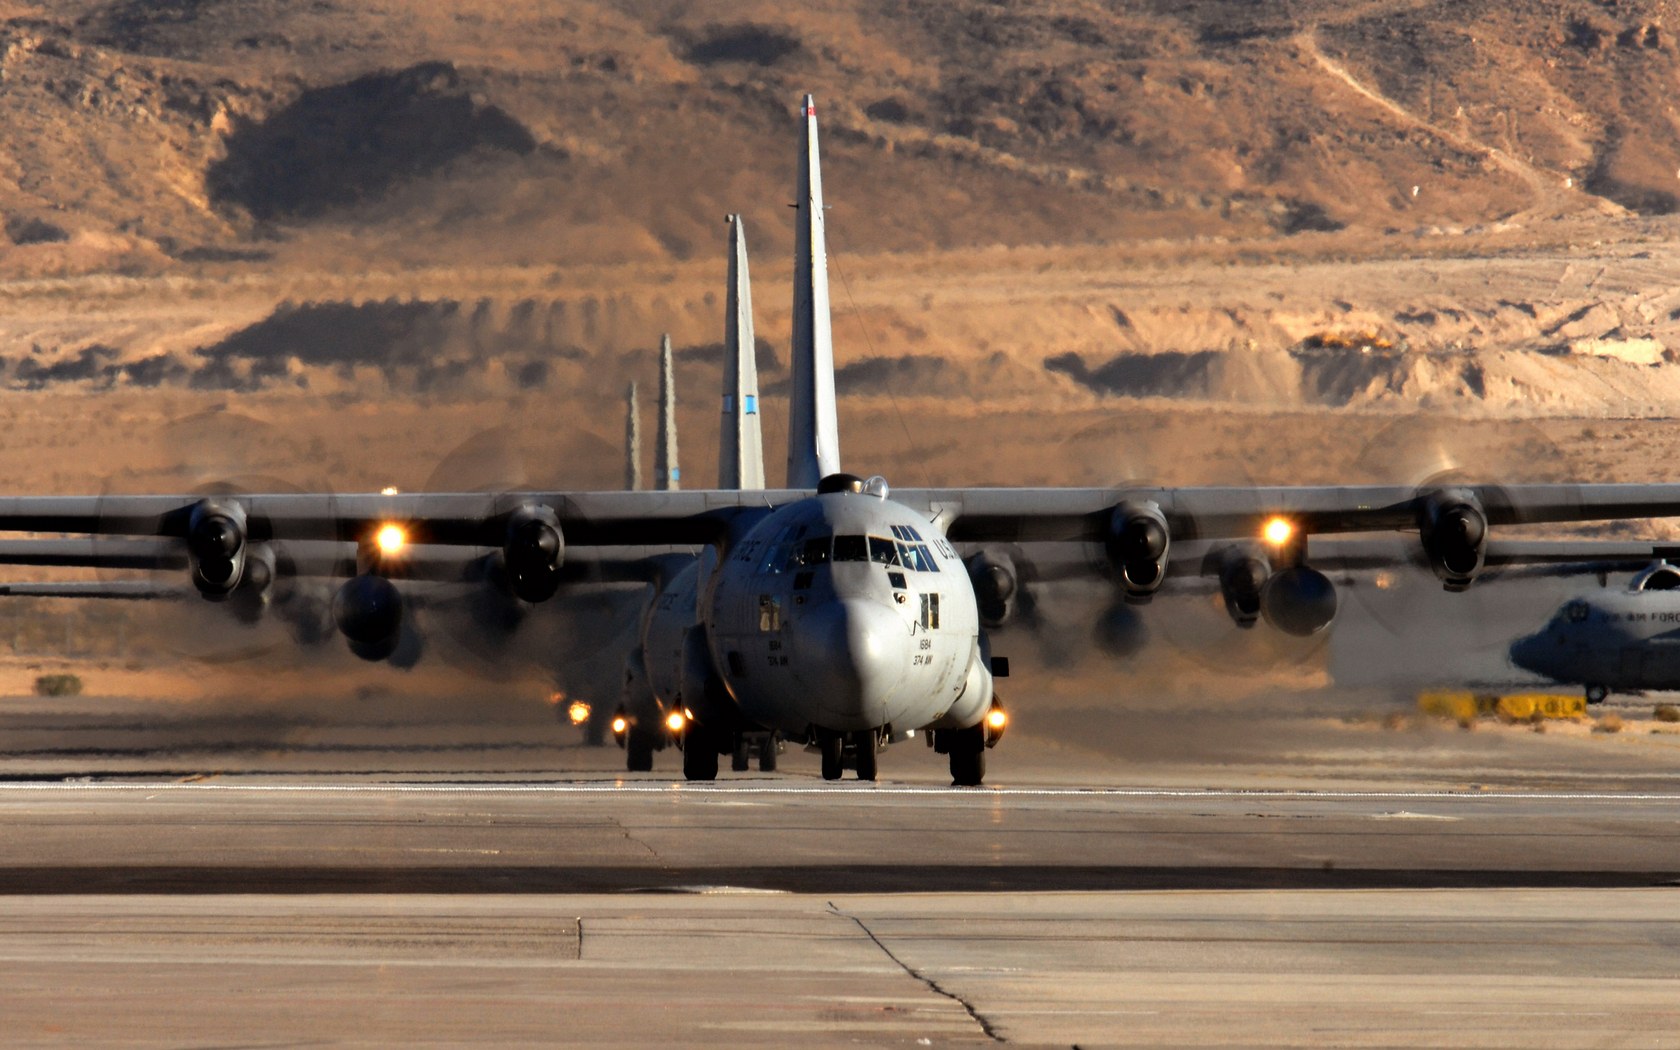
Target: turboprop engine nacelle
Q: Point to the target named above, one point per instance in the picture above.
(1137, 545)
(1242, 579)
(1300, 601)
(216, 547)
(533, 552)
(996, 585)
(1455, 535)
(256, 583)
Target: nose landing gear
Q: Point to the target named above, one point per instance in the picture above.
(862, 747)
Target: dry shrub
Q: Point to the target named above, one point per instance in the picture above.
(58, 685)
(1667, 713)
(1611, 723)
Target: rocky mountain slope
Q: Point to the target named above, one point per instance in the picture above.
(1309, 205)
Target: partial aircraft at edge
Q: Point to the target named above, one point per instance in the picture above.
(834, 611)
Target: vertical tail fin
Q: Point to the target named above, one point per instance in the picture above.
(813, 423)
(632, 441)
(741, 444)
(670, 476)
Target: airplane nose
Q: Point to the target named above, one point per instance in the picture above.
(1534, 652)
(853, 657)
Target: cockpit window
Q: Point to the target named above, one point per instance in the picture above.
(813, 552)
(916, 556)
(1576, 611)
(883, 551)
(851, 548)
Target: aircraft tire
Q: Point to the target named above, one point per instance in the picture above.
(833, 745)
(767, 755)
(866, 754)
(700, 754)
(968, 757)
(739, 761)
(1596, 694)
(638, 751)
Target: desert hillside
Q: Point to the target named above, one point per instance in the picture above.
(417, 215)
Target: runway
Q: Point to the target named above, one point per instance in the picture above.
(457, 895)
(767, 834)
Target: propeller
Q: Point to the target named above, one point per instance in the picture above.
(251, 580)
(1141, 584)
(483, 624)
(1442, 458)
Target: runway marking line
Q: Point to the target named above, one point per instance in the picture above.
(830, 791)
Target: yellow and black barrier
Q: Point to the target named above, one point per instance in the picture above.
(1465, 706)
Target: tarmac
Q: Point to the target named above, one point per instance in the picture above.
(365, 882)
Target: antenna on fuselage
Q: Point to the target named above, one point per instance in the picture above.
(741, 443)
(632, 441)
(813, 423)
(665, 459)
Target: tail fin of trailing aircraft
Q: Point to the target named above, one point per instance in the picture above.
(813, 422)
(665, 459)
(741, 444)
(632, 441)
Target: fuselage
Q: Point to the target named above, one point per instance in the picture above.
(838, 613)
(847, 612)
(1619, 640)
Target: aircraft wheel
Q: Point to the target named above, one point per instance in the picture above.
(832, 744)
(638, 750)
(767, 755)
(864, 741)
(700, 755)
(740, 760)
(1596, 694)
(968, 756)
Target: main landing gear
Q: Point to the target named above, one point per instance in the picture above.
(967, 748)
(968, 755)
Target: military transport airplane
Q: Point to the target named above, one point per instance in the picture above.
(834, 610)
(1613, 641)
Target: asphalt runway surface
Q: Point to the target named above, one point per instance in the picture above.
(457, 881)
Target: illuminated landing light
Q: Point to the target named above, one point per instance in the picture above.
(388, 490)
(390, 539)
(620, 726)
(578, 713)
(675, 721)
(996, 719)
(1383, 580)
(1278, 531)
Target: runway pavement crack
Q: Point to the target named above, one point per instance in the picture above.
(630, 836)
(932, 985)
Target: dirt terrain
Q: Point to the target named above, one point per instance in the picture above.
(330, 244)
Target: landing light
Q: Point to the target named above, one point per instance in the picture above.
(390, 539)
(674, 721)
(578, 712)
(388, 490)
(619, 725)
(996, 719)
(1278, 531)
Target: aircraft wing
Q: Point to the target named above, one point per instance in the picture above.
(980, 514)
(702, 516)
(333, 558)
(120, 590)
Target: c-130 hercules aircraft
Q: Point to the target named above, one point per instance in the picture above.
(834, 611)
